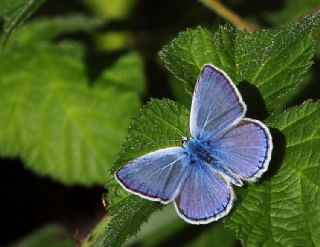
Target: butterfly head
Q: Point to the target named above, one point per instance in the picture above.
(185, 140)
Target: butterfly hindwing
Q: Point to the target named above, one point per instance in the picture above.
(205, 195)
(157, 175)
(216, 103)
(245, 149)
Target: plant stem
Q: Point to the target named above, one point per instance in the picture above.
(229, 15)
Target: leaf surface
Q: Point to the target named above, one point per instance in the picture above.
(284, 210)
(273, 61)
(160, 124)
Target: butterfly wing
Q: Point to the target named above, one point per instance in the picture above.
(245, 149)
(216, 103)
(155, 176)
(205, 195)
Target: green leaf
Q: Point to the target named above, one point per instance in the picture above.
(55, 121)
(216, 236)
(125, 73)
(49, 236)
(271, 60)
(161, 226)
(179, 92)
(166, 224)
(126, 219)
(318, 45)
(16, 12)
(161, 123)
(292, 9)
(119, 9)
(284, 210)
(95, 238)
(112, 41)
(43, 30)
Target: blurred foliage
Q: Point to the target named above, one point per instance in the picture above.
(49, 236)
(95, 238)
(216, 236)
(54, 118)
(161, 226)
(15, 13)
(113, 41)
(112, 9)
(45, 30)
(292, 10)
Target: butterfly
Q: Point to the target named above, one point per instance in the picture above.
(224, 149)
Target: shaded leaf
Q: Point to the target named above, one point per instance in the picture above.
(49, 236)
(216, 236)
(124, 73)
(161, 226)
(95, 238)
(292, 9)
(179, 92)
(284, 210)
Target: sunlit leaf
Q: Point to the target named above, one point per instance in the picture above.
(283, 210)
(271, 60)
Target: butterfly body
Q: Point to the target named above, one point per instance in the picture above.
(224, 149)
(199, 151)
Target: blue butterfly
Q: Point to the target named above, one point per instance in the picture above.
(225, 148)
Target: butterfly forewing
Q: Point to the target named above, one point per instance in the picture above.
(216, 103)
(156, 176)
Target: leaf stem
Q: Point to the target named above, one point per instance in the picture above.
(228, 14)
